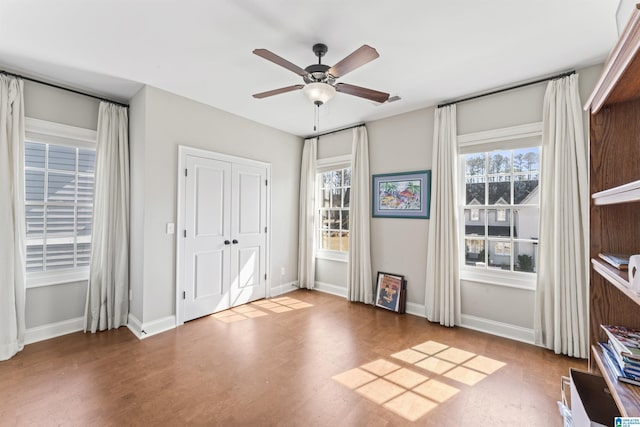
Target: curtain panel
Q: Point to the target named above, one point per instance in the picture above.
(360, 285)
(108, 293)
(12, 218)
(306, 222)
(561, 309)
(442, 296)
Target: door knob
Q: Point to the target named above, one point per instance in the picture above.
(226, 242)
(234, 241)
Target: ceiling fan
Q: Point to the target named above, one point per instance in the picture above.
(320, 79)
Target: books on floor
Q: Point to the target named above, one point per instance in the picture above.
(621, 262)
(622, 353)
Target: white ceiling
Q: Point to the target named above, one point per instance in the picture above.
(430, 51)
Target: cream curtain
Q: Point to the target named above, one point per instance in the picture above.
(442, 297)
(12, 221)
(306, 225)
(360, 285)
(108, 293)
(561, 309)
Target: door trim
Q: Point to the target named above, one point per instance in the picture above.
(183, 152)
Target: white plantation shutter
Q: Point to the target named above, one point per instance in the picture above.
(59, 183)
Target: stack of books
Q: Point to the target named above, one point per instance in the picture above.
(622, 353)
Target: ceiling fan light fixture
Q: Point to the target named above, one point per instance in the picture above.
(319, 93)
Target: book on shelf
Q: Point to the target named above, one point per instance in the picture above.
(619, 261)
(608, 354)
(626, 341)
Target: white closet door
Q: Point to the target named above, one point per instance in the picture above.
(248, 233)
(206, 256)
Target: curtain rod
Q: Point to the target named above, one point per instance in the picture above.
(63, 88)
(493, 92)
(335, 131)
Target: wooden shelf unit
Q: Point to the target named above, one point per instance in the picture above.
(614, 224)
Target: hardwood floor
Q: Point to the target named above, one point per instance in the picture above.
(286, 364)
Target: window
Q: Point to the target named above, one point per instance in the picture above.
(334, 188)
(501, 209)
(59, 182)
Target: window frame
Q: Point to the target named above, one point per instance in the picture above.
(326, 165)
(46, 132)
(509, 138)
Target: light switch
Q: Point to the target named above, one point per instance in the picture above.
(171, 228)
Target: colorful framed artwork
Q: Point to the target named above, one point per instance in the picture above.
(390, 292)
(402, 195)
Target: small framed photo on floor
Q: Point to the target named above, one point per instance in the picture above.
(390, 292)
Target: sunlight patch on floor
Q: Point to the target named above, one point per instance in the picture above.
(256, 309)
(411, 394)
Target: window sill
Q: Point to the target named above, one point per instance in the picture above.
(49, 278)
(511, 279)
(333, 256)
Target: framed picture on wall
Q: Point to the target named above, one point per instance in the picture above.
(391, 292)
(401, 195)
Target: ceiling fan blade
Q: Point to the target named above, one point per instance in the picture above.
(356, 59)
(362, 92)
(277, 91)
(270, 56)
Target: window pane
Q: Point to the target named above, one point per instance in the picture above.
(86, 160)
(326, 198)
(83, 254)
(474, 222)
(62, 158)
(345, 220)
(34, 154)
(334, 220)
(525, 256)
(347, 177)
(62, 186)
(60, 220)
(85, 188)
(499, 162)
(59, 256)
(346, 195)
(336, 199)
(334, 242)
(526, 160)
(34, 186)
(326, 240)
(344, 241)
(34, 258)
(35, 220)
(526, 190)
(500, 254)
(474, 252)
(500, 192)
(324, 219)
(326, 180)
(525, 223)
(85, 217)
(475, 164)
(475, 191)
(499, 222)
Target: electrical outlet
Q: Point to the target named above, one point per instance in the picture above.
(283, 271)
(171, 228)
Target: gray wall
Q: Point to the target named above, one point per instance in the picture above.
(168, 121)
(404, 143)
(57, 303)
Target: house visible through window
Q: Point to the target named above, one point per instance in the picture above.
(59, 185)
(501, 209)
(334, 188)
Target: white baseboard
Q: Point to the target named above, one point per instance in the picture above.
(52, 330)
(283, 289)
(328, 288)
(134, 325)
(500, 329)
(146, 330)
(415, 309)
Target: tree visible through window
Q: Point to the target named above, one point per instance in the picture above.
(501, 209)
(59, 184)
(333, 214)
